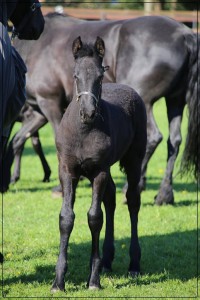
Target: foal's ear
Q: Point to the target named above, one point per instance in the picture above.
(76, 46)
(100, 46)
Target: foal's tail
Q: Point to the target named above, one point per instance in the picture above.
(191, 156)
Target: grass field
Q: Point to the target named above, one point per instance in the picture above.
(168, 234)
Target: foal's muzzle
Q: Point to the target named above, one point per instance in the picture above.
(88, 111)
(87, 118)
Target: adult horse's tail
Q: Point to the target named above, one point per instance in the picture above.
(191, 155)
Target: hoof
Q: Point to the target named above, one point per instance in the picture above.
(165, 194)
(160, 199)
(47, 177)
(133, 274)
(13, 180)
(94, 287)
(55, 288)
(46, 180)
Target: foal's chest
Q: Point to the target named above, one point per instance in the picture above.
(91, 150)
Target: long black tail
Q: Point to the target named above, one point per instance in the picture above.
(191, 155)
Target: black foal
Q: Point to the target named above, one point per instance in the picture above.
(94, 134)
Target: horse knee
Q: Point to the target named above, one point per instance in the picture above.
(66, 222)
(95, 220)
(154, 140)
(17, 143)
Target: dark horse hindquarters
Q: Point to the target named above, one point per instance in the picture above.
(95, 133)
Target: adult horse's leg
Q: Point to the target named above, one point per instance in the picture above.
(95, 222)
(51, 108)
(109, 201)
(66, 223)
(154, 137)
(174, 112)
(38, 149)
(17, 164)
(36, 121)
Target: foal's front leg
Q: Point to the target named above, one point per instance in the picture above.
(66, 223)
(95, 221)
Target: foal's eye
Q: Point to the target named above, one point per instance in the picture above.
(75, 77)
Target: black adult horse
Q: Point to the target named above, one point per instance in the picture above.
(155, 55)
(29, 24)
(89, 140)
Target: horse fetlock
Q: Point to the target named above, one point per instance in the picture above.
(94, 278)
(14, 178)
(165, 195)
(56, 286)
(47, 176)
(106, 266)
(94, 287)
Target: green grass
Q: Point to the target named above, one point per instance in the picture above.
(168, 234)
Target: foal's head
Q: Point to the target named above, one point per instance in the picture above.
(88, 76)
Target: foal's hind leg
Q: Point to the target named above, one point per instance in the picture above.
(174, 113)
(154, 137)
(133, 170)
(108, 245)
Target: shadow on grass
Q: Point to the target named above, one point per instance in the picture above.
(153, 183)
(170, 256)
